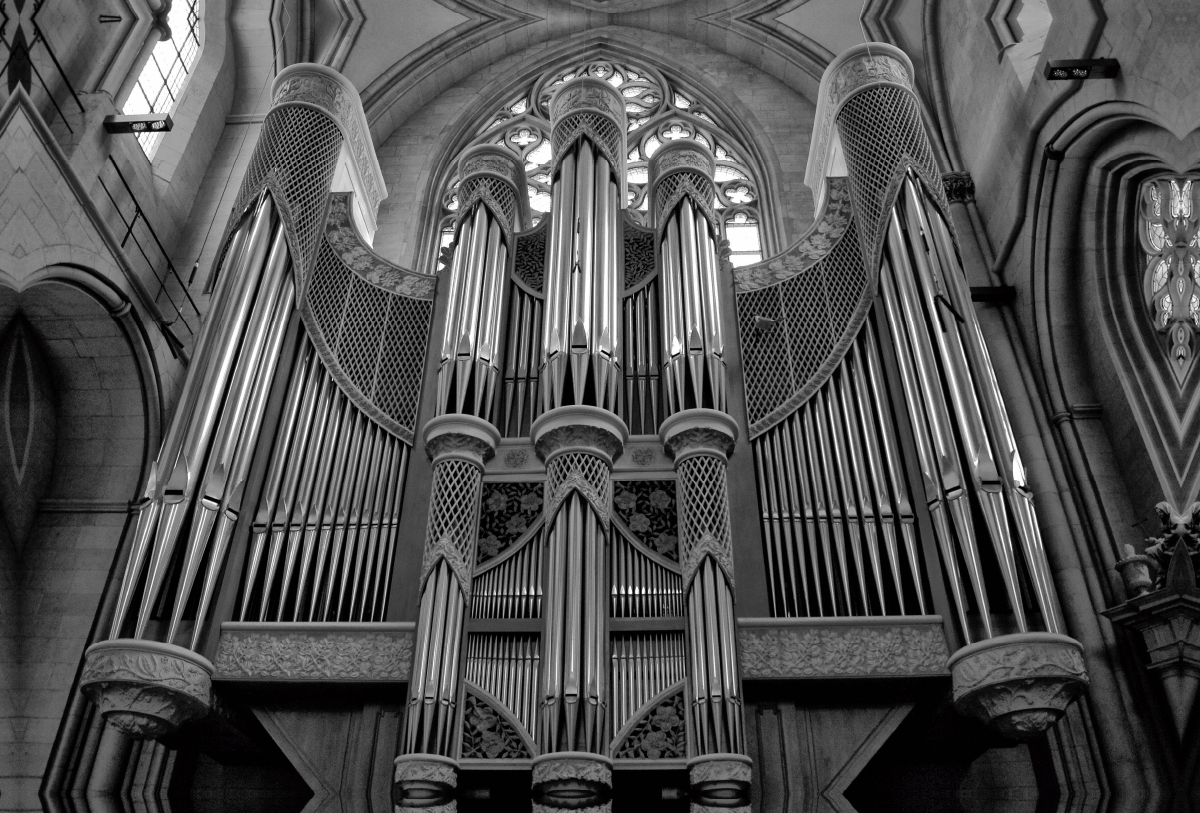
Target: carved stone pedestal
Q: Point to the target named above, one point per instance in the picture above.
(572, 780)
(146, 688)
(425, 782)
(720, 782)
(1018, 684)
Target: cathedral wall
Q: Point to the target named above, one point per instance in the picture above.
(412, 157)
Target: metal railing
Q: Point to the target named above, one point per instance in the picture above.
(138, 229)
(19, 67)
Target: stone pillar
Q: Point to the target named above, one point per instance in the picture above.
(458, 445)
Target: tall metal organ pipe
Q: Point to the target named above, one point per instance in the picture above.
(579, 435)
(582, 332)
(460, 440)
(983, 521)
(699, 436)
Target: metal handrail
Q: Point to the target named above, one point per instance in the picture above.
(130, 224)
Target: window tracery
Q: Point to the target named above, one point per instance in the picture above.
(658, 111)
(1169, 232)
(164, 75)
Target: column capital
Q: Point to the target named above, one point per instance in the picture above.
(698, 431)
(579, 428)
(460, 436)
(426, 782)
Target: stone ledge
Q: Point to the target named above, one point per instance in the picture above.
(814, 648)
(327, 652)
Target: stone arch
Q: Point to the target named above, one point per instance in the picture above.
(72, 349)
(774, 132)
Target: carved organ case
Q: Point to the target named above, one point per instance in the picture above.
(598, 351)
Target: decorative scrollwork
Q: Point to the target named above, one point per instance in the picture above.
(661, 733)
(487, 735)
(509, 509)
(647, 507)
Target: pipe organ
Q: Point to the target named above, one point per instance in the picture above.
(576, 611)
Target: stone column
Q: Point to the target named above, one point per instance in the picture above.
(458, 445)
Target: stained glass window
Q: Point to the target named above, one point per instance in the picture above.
(1170, 237)
(657, 112)
(166, 72)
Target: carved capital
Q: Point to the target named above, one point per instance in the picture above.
(959, 186)
(579, 428)
(146, 688)
(1018, 684)
(698, 431)
(425, 782)
(310, 85)
(720, 781)
(572, 780)
(460, 436)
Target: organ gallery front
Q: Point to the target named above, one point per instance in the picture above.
(614, 492)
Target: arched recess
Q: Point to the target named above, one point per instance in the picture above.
(80, 408)
(775, 140)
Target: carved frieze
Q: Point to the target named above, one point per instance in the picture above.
(1018, 684)
(780, 650)
(146, 688)
(297, 652)
(572, 780)
(357, 256)
(425, 782)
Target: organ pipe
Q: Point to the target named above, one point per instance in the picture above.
(699, 437)
(492, 205)
(582, 324)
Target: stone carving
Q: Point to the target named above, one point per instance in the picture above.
(451, 442)
(647, 507)
(720, 782)
(444, 548)
(643, 456)
(694, 553)
(578, 435)
(789, 651)
(1168, 619)
(146, 688)
(507, 512)
(959, 186)
(713, 441)
(516, 458)
(674, 187)
(314, 655)
(1018, 684)
(425, 782)
(357, 256)
(583, 473)
(324, 92)
(661, 734)
(809, 249)
(487, 735)
(572, 780)
(1177, 529)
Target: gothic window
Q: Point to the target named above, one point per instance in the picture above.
(162, 79)
(658, 111)
(1170, 238)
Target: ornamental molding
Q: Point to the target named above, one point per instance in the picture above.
(460, 436)
(694, 553)
(680, 155)
(309, 85)
(494, 161)
(429, 779)
(772, 649)
(1018, 684)
(583, 428)
(720, 768)
(427, 768)
(323, 652)
(866, 65)
(572, 765)
(806, 252)
(343, 238)
(146, 688)
(445, 549)
(590, 94)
